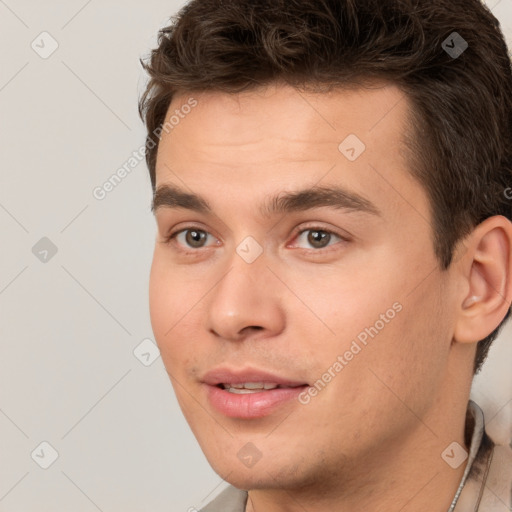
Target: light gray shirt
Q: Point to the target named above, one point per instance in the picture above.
(486, 485)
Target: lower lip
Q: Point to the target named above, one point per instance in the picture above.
(250, 405)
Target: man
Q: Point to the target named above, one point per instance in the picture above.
(334, 248)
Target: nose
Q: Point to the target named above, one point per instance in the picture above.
(246, 302)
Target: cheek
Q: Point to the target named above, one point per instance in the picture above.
(167, 307)
(385, 317)
(344, 300)
(399, 369)
(170, 296)
(160, 300)
(408, 357)
(176, 304)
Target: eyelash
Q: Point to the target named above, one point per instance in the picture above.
(170, 238)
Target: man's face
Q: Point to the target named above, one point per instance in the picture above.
(291, 288)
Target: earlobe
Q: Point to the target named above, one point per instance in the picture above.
(487, 271)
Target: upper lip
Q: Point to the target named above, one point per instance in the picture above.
(240, 376)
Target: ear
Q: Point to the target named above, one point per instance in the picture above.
(486, 272)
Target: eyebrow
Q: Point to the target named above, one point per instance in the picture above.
(170, 196)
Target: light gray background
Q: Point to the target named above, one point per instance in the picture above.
(69, 326)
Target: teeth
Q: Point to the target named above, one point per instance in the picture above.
(248, 387)
(242, 391)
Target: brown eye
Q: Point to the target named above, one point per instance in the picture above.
(318, 239)
(191, 238)
(195, 238)
(314, 238)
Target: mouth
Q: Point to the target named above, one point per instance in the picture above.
(250, 394)
(254, 387)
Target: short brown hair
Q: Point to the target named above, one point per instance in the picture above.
(461, 138)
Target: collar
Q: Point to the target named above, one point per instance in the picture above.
(479, 461)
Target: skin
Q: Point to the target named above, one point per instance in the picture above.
(372, 439)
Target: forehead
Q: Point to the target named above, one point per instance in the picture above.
(283, 118)
(277, 137)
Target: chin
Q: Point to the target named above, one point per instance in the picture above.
(264, 474)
